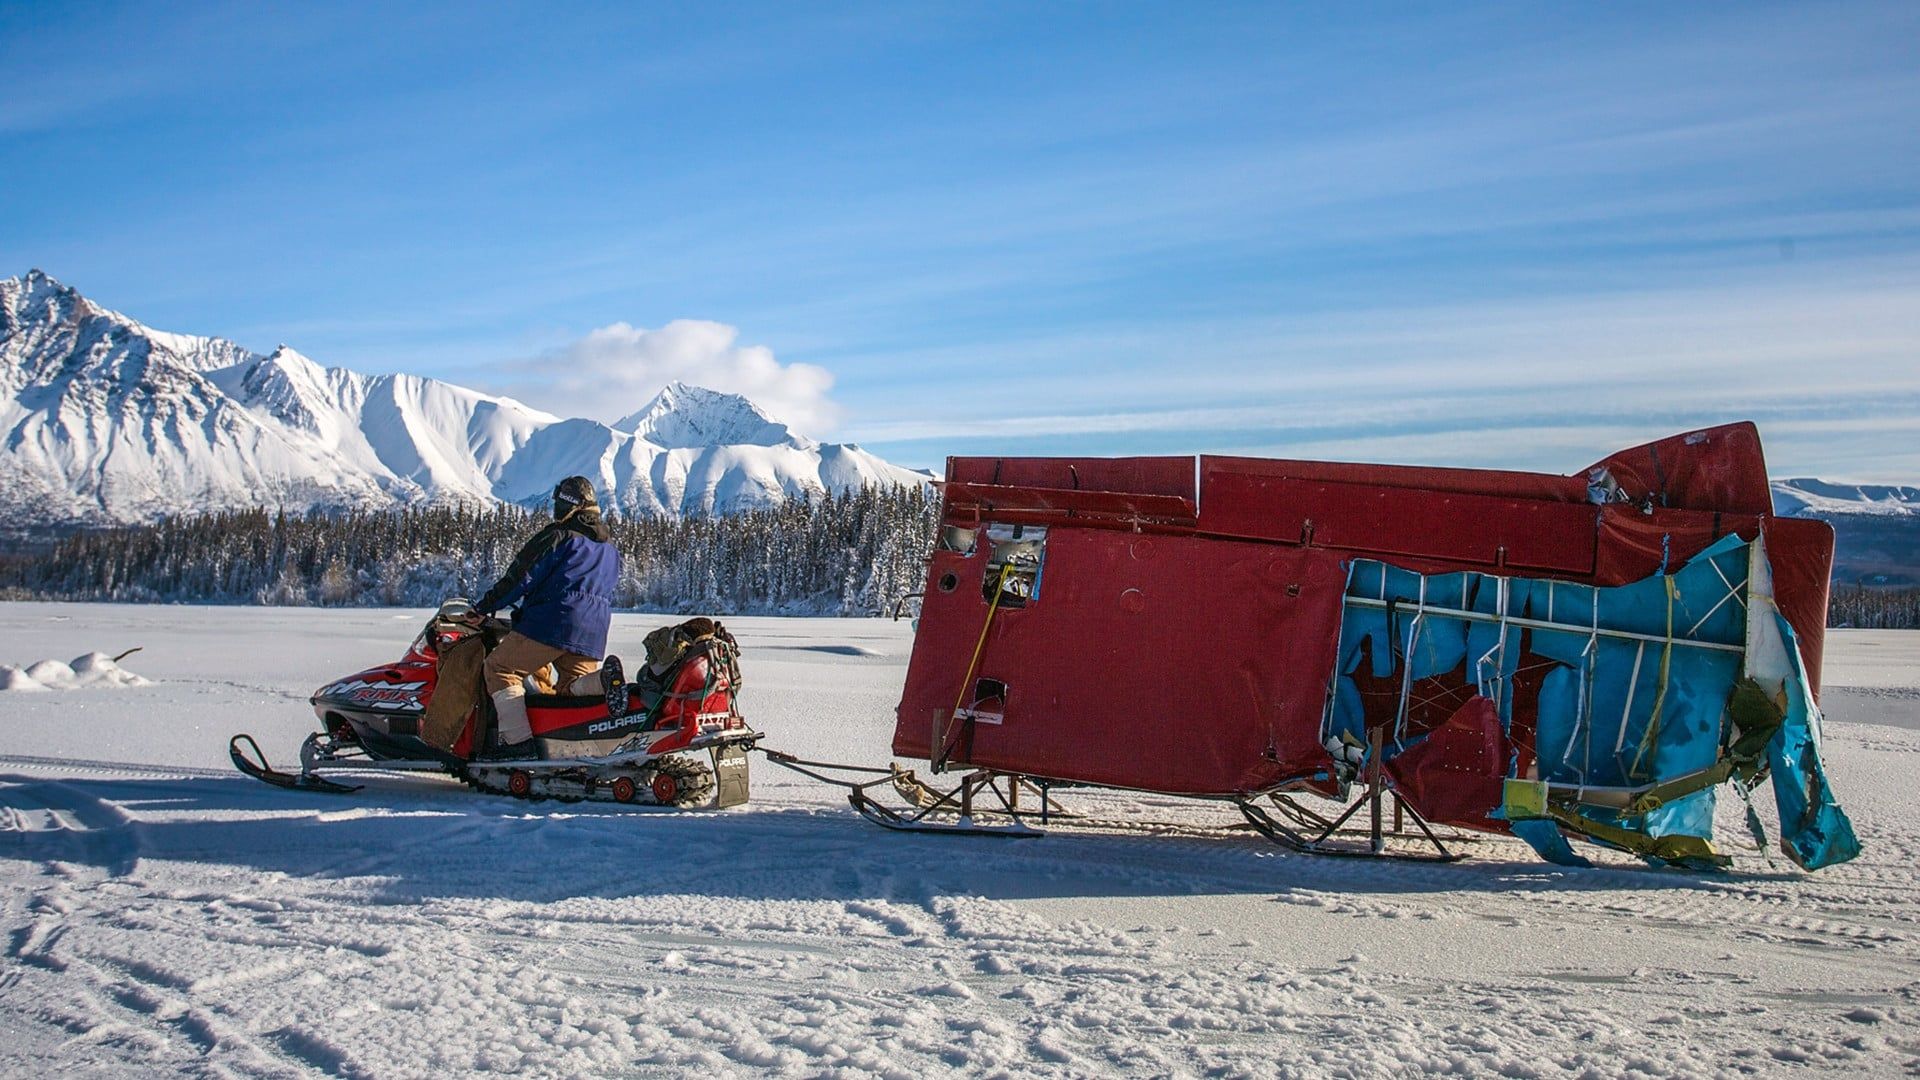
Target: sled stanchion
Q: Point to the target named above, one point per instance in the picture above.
(1376, 787)
(1398, 802)
(1323, 841)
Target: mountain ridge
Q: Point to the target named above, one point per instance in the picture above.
(109, 421)
(1876, 528)
(1805, 496)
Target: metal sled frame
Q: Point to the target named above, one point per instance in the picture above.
(981, 792)
(1291, 825)
(1015, 802)
(1287, 823)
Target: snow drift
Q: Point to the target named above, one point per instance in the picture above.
(89, 669)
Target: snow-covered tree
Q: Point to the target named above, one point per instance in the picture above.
(852, 553)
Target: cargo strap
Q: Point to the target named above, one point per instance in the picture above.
(1652, 735)
(949, 732)
(1679, 849)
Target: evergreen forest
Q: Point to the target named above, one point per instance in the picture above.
(854, 553)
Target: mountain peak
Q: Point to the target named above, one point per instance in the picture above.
(37, 280)
(21, 295)
(287, 354)
(684, 416)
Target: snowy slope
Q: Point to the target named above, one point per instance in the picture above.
(164, 916)
(1807, 497)
(1876, 528)
(107, 420)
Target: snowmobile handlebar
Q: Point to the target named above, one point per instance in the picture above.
(459, 610)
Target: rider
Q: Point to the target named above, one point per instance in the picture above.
(564, 581)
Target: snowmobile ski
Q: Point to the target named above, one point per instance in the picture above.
(262, 771)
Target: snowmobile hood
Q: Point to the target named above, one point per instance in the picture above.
(390, 690)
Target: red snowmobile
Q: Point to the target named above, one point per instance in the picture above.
(638, 743)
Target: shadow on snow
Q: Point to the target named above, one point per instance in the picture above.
(404, 842)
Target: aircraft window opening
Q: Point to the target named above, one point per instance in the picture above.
(955, 538)
(949, 581)
(1015, 566)
(989, 697)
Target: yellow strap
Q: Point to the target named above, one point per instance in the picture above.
(1660, 698)
(978, 647)
(1675, 848)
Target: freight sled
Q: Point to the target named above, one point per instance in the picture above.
(1592, 656)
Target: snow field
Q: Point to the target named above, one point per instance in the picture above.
(163, 914)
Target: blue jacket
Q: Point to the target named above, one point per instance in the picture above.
(563, 580)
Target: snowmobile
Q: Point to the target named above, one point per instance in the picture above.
(640, 742)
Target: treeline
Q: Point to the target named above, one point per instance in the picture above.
(847, 554)
(1874, 609)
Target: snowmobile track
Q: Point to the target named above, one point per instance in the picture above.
(679, 781)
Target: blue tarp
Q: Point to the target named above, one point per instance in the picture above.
(1613, 712)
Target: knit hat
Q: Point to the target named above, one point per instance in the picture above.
(571, 494)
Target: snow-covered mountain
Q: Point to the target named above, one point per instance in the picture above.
(1876, 527)
(106, 420)
(1807, 497)
(683, 416)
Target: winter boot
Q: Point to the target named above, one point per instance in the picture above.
(613, 679)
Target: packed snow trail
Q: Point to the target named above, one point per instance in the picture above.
(164, 914)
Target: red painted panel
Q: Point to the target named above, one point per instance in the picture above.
(990, 498)
(1801, 552)
(1168, 663)
(1513, 485)
(1457, 773)
(1472, 530)
(1141, 475)
(1636, 544)
(1718, 468)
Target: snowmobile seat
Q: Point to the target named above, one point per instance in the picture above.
(648, 693)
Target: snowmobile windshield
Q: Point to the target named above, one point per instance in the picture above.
(423, 642)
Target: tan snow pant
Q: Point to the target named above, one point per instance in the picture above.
(455, 693)
(519, 656)
(512, 661)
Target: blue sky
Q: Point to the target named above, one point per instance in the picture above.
(1496, 234)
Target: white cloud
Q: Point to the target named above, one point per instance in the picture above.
(616, 369)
